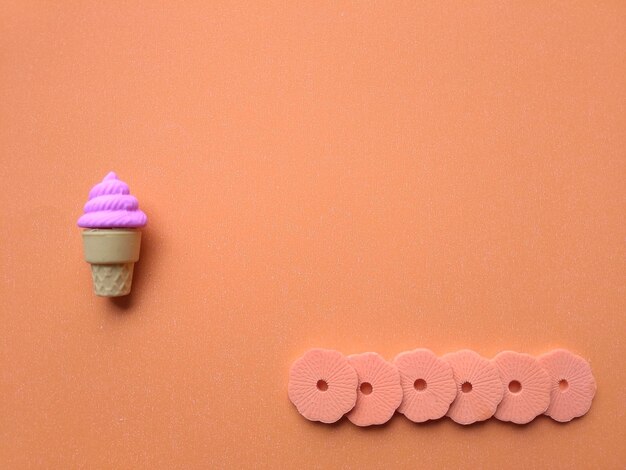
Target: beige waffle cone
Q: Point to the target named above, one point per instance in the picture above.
(112, 254)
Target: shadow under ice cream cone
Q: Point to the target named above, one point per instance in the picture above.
(112, 240)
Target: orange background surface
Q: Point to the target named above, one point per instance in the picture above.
(359, 176)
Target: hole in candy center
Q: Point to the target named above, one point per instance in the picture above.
(563, 385)
(515, 386)
(466, 387)
(322, 385)
(420, 385)
(366, 388)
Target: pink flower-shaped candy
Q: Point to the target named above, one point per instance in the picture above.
(379, 392)
(526, 387)
(322, 385)
(428, 385)
(572, 385)
(479, 389)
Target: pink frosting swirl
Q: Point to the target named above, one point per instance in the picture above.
(111, 205)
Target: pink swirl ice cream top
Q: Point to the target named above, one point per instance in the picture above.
(111, 205)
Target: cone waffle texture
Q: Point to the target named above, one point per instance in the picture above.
(112, 280)
(112, 254)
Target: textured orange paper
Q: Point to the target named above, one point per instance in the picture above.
(359, 176)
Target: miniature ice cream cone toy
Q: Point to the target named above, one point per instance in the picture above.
(112, 238)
